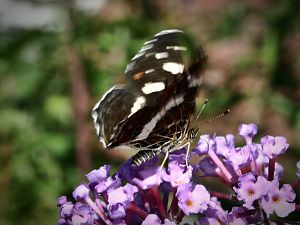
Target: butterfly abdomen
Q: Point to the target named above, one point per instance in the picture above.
(143, 156)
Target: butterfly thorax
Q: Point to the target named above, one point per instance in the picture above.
(184, 139)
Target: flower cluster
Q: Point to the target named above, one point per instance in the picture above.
(152, 195)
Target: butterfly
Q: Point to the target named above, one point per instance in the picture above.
(152, 112)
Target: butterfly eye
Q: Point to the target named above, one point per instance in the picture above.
(193, 133)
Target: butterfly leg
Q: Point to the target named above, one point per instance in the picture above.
(187, 154)
(164, 161)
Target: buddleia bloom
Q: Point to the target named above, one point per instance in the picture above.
(248, 175)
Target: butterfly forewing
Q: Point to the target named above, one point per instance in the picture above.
(159, 66)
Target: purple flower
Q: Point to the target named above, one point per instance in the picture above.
(116, 211)
(240, 157)
(153, 219)
(177, 174)
(123, 195)
(224, 144)
(110, 183)
(82, 215)
(178, 156)
(234, 218)
(213, 216)
(81, 192)
(66, 210)
(249, 191)
(279, 201)
(148, 178)
(192, 198)
(149, 194)
(207, 167)
(61, 200)
(205, 143)
(248, 131)
(127, 172)
(273, 146)
(222, 217)
(298, 169)
(99, 175)
(119, 199)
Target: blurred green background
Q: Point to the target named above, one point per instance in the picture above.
(58, 57)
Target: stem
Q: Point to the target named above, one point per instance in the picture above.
(166, 199)
(174, 205)
(137, 210)
(156, 195)
(180, 217)
(271, 169)
(150, 200)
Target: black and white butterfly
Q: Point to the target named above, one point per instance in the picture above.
(152, 112)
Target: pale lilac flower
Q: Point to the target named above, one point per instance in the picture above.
(177, 174)
(242, 156)
(224, 144)
(80, 220)
(248, 131)
(148, 178)
(153, 219)
(81, 192)
(66, 210)
(273, 146)
(192, 198)
(204, 144)
(298, 169)
(61, 200)
(82, 215)
(122, 195)
(116, 211)
(249, 191)
(110, 183)
(233, 217)
(279, 201)
(119, 199)
(99, 175)
(168, 222)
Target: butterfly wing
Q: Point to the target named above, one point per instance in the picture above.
(160, 95)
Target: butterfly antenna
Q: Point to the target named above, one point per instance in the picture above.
(216, 117)
(203, 106)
